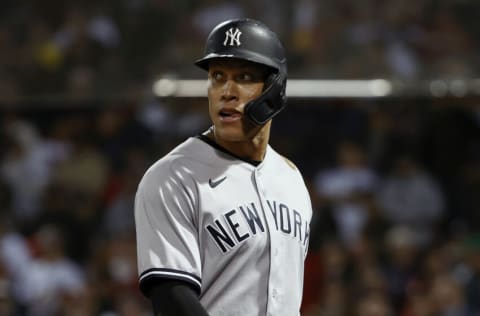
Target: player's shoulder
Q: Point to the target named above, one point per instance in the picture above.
(172, 164)
(283, 161)
(289, 163)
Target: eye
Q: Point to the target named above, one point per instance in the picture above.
(217, 76)
(247, 77)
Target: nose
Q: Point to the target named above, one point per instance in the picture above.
(229, 90)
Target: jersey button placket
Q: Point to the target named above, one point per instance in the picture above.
(261, 187)
(261, 196)
(273, 303)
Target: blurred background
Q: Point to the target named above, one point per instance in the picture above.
(395, 180)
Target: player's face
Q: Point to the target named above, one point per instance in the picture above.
(231, 85)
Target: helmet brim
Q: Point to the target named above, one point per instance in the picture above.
(204, 62)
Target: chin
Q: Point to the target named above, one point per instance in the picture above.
(230, 132)
(230, 135)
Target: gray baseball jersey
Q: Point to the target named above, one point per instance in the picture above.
(236, 231)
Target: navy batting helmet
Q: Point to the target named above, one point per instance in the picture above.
(250, 40)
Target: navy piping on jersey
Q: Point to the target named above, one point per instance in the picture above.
(154, 275)
(217, 146)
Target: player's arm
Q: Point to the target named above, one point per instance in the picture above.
(167, 242)
(175, 298)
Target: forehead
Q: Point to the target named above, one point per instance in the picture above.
(233, 64)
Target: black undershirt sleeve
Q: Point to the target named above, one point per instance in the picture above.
(175, 298)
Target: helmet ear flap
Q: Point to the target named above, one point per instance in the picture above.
(270, 102)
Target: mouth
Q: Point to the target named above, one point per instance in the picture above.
(229, 115)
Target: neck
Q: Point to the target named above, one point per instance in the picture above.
(253, 148)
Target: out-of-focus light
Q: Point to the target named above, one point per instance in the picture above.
(438, 88)
(458, 88)
(295, 88)
(180, 88)
(305, 88)
(339, 88)
(475, 86)
(380, 87)
(164, 87)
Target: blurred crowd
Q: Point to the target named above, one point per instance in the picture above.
(103, 48)
(395, 186)
(395, 183)
(396, 229)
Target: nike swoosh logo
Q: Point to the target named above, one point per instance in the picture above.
(213, 184)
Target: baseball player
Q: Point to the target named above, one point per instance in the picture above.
(222, 220)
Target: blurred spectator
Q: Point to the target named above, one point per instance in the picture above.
(118, 218)
(437, 260)
(409, 196)
(113, 265)
(304, 26)
(104, 30)
(9, 89)
(448, 46)
(328, 268)
(400, 267)
(336, 261)
(468, 273)
(211, 12)
(85, 170)
(40, 280)
(418, 304)
(6, 301)
(27, 165)
(346, 189)
(448, 298)
(83, 303)
(194, 122)
(333, 301)
(127, 304)
(373, 305)
(158, 118)
(368, 279)
(80, 83)
(452, 153)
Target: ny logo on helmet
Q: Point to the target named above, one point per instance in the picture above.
(232, 37)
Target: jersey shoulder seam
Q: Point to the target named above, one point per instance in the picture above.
(289, 163)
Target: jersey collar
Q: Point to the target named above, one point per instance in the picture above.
(209, 141)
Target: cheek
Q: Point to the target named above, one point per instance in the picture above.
(210, 97)
(213, 93)
(211, 107)
(250, 92)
